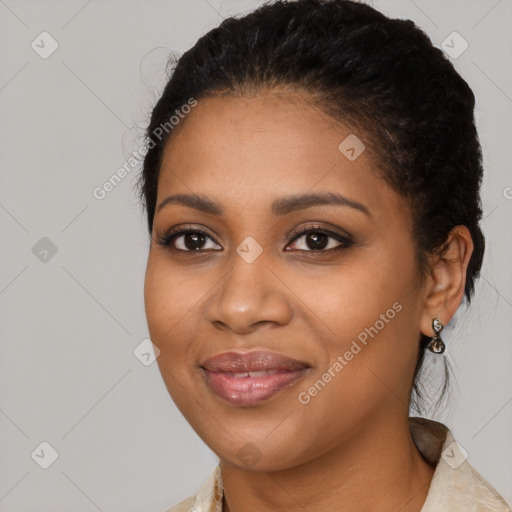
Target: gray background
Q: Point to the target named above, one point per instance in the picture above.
(70, 321)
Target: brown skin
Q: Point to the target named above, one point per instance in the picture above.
(351, 443)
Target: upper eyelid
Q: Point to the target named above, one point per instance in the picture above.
(180, 231)
(329, 232)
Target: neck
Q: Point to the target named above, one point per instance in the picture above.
(377, 469)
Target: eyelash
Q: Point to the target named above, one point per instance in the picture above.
(168, 237)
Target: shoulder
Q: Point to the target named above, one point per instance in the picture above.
(456, 484)
(208, 498)
(183, 506)
(473, 490)
(462, 488)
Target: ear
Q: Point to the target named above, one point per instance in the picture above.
(444, 287)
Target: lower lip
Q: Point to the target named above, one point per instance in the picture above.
(247, 391)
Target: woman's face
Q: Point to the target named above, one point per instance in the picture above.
(338, 309)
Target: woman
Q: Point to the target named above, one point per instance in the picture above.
(312, 190)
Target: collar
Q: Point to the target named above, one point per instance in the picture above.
(455, 484)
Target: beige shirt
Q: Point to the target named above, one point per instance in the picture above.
(455, 486)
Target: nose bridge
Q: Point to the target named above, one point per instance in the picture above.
(249, 293)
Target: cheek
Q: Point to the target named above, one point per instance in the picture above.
(167, 312)
(168, 299)
(347, 301)
(369, 312)
(169, 309)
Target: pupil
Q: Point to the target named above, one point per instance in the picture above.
(316, 243)
(195, 237)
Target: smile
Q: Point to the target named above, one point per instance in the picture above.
(251, 378)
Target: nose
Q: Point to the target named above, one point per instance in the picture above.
(249, 296)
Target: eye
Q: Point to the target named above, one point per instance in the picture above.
(316, 239)
(192, 240)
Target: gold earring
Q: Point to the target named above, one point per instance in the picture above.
(436, 345)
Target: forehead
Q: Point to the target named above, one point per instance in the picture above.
(261, 147)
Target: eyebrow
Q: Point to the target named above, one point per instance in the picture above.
(280, 206)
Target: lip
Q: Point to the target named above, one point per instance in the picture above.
(248, 378)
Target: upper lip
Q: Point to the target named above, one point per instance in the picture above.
(251, 362)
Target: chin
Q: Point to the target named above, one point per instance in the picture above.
(258, 452)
